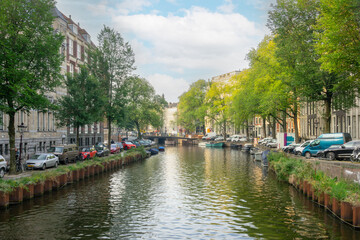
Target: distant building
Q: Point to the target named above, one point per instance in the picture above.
(170, 120)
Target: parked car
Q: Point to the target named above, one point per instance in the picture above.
(3, 166)
(265, 140)
(42, 161)
(114, 148)
(209, 136)
(324, 141)
(136, 143)
(290, 148)
(298, 150)
(128, 145)
(120, 146)
(321, 153)
(272, 143)
(341, 151)
(66, 153)
(219, 138)
(102, 151)
(87, 153)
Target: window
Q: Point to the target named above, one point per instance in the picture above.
(86, 129)
(98, 128)
(78, 51)
(48, 121)
(71, 47)
(38, 120)
(40, 146)
(71, 69)
(71, 129)
(1, 149)
(43, 123)
(44, 146)
(6, 149)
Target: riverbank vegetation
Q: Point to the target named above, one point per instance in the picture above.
(296, 171)
(309, 58)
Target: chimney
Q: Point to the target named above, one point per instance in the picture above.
(70, 16)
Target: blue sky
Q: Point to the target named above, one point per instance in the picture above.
(178, 42)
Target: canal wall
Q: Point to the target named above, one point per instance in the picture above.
(17, 191)
(340, 169)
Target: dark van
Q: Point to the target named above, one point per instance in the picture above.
(324, 141)
(66, 153)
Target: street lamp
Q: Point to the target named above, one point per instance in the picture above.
(21, 130)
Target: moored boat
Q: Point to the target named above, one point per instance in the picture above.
(161, 149)
(215, 145)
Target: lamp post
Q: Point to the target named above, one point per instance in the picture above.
(21, 130)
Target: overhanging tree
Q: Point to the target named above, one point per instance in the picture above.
(29, 59)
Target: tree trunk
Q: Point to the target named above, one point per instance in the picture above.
(274, 128)
(247, 129)
(138, 129)
(109, 131)
(77, 137)
(12, 142)
(297, 139)
(284, 121)
(264, 127)
(224, 130)
(327, 115)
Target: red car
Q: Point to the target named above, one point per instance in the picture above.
(128, 145)
(114, 148)
(87, 153)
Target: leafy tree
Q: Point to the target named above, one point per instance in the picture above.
(111, 62)
(83, 104)
(29, 59)
(191, 107)
(142, 107)
(339, 38)
(216, 101)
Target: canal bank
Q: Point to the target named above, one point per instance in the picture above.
(182, 193)
(18, 188)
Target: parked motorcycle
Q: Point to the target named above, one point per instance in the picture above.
(355, 156)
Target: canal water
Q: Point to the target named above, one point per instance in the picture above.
(183, 193)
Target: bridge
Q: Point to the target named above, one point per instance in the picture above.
(173, 139)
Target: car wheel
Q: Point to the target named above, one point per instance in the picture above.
(2, 173)
(308, 155)
(88, 157)
(330, 156)
(43, 166)
(56, 164)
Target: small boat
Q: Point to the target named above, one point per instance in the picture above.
(161, 149)
(215, 145)
(153, 151)
(254, 150)
(264, 159)
(247, 147)
(202, 144)
(236, 146)
(148, 153)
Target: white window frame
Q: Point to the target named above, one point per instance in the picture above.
(71, 47)
(79, 51)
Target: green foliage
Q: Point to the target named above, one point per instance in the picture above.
(83, 104)
(339, 190)
(192, 107)
(141, 107)
(111, 62)
(30, 59)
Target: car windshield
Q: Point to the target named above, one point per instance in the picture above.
(113, 146)
(352, 143)
(56, 149)
(85, 150)
(128, 143)
(39, 156)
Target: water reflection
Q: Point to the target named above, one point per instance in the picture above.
(186, 192)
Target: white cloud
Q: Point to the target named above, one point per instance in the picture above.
(228, 7)
(171, 87)
(127, 6)
(198, 40)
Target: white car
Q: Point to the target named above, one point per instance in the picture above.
(272, 143)
(237, 138)
(219, 138)
(42, 161)
(265, 140)
(298, 150)
(3, 166)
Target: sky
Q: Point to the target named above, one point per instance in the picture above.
(177, 42)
